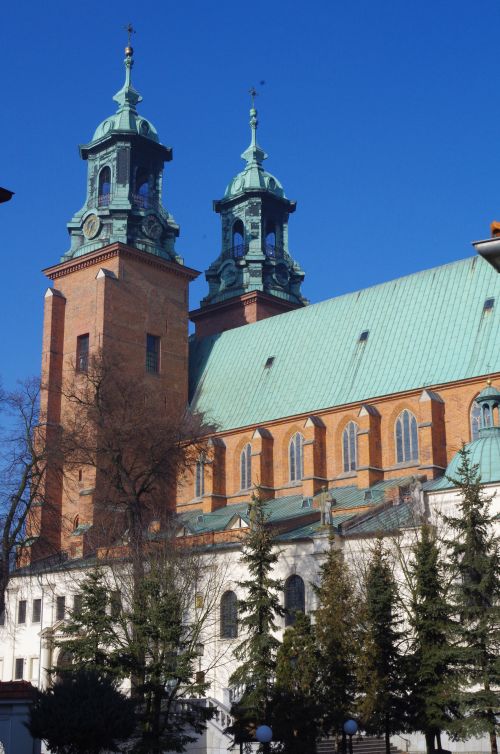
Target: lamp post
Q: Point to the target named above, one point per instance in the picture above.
(350, 727)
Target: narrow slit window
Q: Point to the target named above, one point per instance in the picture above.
(199, 489)
(246, 467)
(36, 611)
(152, 354)
(60, 607)
(296, 457)
(21, 611)
(82, 353)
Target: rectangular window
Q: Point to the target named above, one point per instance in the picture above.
(60, 608)
(82, 353)
(36, 611)
(19, 669)
(152, 354)
(116, 605)
(21, 611)
(77, 604)
(34, 669)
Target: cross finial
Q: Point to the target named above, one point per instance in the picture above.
(253, 94)
(130, 30)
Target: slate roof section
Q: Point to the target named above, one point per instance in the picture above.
(390, 519)
(425, 329)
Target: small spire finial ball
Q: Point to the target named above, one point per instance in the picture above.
(129, 51)
(488, 381)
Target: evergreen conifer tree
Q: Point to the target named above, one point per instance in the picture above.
(257, 615)
(337, 630)
(296, 709)
(475, 561)
(380, 668)
(431, 673)
(90, 632)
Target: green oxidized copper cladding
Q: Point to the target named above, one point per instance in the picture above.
(124, 183)
(425, 330)
(254, 216)
(485, 451)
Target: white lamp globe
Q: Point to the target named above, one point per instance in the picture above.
(263, 734)
(350, 727)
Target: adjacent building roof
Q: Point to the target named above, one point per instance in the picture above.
(425, 329)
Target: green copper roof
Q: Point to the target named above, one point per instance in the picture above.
(391, 518)
(253, 176)
(485, 452)
(126, 118)
(422, 330)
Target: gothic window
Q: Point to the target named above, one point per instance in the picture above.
(295, 599)
(238, 239)
(229, 616)
(104, 187)
(296, 457)
(199, 482)
(475, 420)
(406, 437)
(246, 467)
(82, 353)
(152, 354)
(350, 447)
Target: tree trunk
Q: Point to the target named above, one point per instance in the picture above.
(429, 742)
(493, 742)
(387, 740)
(438, 739)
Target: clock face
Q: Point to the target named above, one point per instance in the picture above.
(281, 274)
(91, 226)
(152, 227)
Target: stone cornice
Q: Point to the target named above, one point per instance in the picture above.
(118, 249)
(244, 299)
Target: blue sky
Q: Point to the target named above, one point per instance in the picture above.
(381, 119)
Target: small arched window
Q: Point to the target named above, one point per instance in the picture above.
(199, 485)
(246, 467)
(475, 420)
(350, 447)
(142, 187)
(295, 598)
(270, 239)
(296, 457)
(104, 187)
(229, 616)
(238, 239)
(487, 416)
(406, 437)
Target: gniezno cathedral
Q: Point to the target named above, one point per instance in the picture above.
(347, 414)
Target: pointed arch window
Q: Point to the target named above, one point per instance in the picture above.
(238, 239)
(229, 616)
(104, 187)
(199, 484)
(295, 598)
(406, 437)
(246, 467)
(296, 457)
(350, 447)
(475, 420)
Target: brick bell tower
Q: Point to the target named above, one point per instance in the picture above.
(254, 276)
(120, 290)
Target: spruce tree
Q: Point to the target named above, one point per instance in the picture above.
(433, 698)
(380, 668)
(257, 615)
(336, 632)
(295, 709)
(90, 633)
(474, 559)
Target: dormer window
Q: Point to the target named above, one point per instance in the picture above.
(104, 187)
